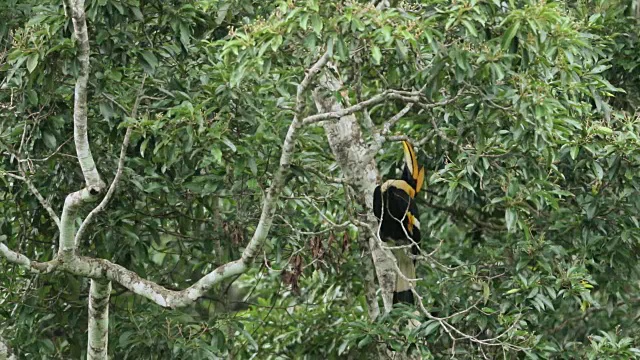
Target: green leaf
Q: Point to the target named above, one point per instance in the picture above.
(229, 144)
(401, 49)
(106, 110)
(509, 35)
(185, 37)
(150, 59)
(217, 154)
(253, 166)
(143, 146)
(276, 42)
(222, 12)
(430, 329)
(467, 186)
(313, 5)
(591, 209)
(119, 7)
(124, 339)
(252, 342)
(574, 152)
(115, 75)
(32, 95)
(316, 24)
(50, 141)
(602, 130)
(486, 292)
(598, 69)
(365, 341)
(343, 346)
(511, 218)
(597, 169)
(137, 13)
(310, 41)
(376, 54)
(48, 344)
(470, 28)
(32, 62)
(304, 19)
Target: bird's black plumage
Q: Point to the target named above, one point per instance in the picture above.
(395, 206)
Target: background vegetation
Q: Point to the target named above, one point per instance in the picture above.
(530, 220)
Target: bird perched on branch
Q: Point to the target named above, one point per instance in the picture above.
(395, 207)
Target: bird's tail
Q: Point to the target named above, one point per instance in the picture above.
(406, 264)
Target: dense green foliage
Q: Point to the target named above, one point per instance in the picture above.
(529, 219)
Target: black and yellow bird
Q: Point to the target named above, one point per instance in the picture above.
(395, 207)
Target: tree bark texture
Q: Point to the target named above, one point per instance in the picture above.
(99, 295)
(348, 147)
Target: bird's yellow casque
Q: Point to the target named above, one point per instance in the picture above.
(394, 205)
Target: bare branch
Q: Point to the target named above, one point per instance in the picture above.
(100, 268)
(334, 227)
(346, 143)
(376, 235)
(12, 175)
(268, 207)
(442, 134)
(458, 212)
(50, 155)
(45, 204)
(112, 188)
(387, 95)
(382, 137)
(12, 256)
(401, 138)
(19, 259)
(116, 179)
(326, 178)
(387, 126)
(115, 102)
(450, 329)
(72, 203)
(423, 141)
(302, 87)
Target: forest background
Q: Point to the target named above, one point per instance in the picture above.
(234, 146)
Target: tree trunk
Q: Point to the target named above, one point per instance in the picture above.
(348, 147)
(99, 295)
(5, 352)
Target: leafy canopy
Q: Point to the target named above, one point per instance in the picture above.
(530, 214)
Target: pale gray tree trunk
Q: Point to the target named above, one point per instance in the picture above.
(358, 165)
(88, 165)
(5, 352)
(360, 170)
(99, 295)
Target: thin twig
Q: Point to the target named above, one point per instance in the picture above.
(45, 204)
(311, 73)
(384, 96)
(50, 156)
(116, 179)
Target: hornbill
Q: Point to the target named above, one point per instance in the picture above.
(399, 221)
